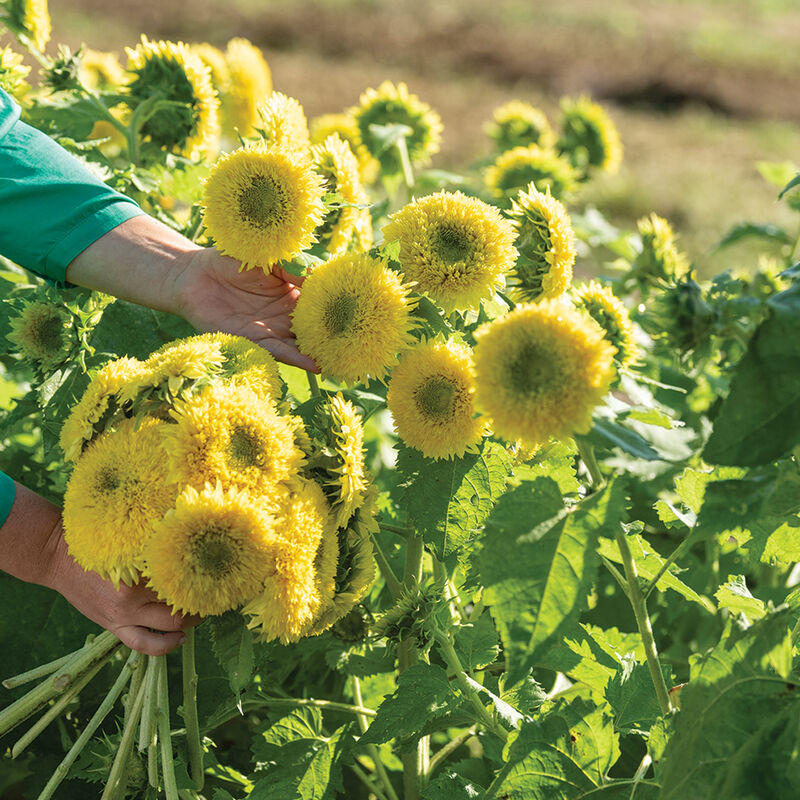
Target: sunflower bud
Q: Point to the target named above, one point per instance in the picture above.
(44, 334)
(408, 618)
(62, 75)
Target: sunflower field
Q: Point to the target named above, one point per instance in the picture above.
(530, 533)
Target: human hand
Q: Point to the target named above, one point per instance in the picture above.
(214, 295)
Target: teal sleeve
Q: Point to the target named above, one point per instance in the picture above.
(52, 207)
(7, 491)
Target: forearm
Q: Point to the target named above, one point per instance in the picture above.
(142, 261)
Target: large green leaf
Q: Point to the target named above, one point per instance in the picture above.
(631, 695)
(448, 500)
(759, 420)
(232, 643)
(539, 562)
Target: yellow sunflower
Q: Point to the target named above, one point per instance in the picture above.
(263, 204)
(589, 137)
(229, 433)
(546, 244)
(515, 169)
(282, 123)
(454, 247)
(540, 370)
(29, 19)
(346, 228)
(392, 104)
(659, 258)
(97, 404)
(345, 126)
(13, 72)
(519, 124)
(291, 593)
(250, 84)
(212, 552)
(100, 70)
(173, 70)
(117, 491)
(431, 399)
(353, 317)
(43, 333)
(609, 312)
(214, 59)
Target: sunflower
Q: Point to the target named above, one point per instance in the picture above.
(118, 489)
(395, 105)
(454, 247)
(250, 84)
(431, 399)
(171, 69)
(515, 169)
(353, 317)
(282, 123)
(214, 59)
(13, 72)
(29, 19)
(546, 244)
(540, 370)
(100, 70)
(43, 332)
(659, 258)
(291, 593)
(519, 124)
(345, 126)
(589, 138)
(229, 433)
(263, 204)
(348, 227)
(609, 312)
(212, 552)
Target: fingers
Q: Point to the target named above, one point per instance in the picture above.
(288, 353)
(151, 643)
(295, 280)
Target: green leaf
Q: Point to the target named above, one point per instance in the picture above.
(232, 644)
(423, 693)
(449, 785)
(759, 420)
(749, 230)
(790, 185)
(448, 500)
(538, 564)
(736, 597)
(360, 660)
(477, 643)
(556, 461)
(778, 173)
(631, 695)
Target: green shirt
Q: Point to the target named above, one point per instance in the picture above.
(52, 207)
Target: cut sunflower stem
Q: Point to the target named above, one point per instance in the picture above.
(42, 671)
(117, 778)
(60, 772)
(136, 682)
(148, 730)
(164, 733)
(392, 583)
(193, 740)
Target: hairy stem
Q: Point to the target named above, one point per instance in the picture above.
(392, 583)
(448, 749)
(42, 671)
(164, 733)
(193, 741)
(313, 384)
(586, 452)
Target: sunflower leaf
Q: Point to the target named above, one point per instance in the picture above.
(232, 643)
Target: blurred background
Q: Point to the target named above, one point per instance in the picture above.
(701, 90)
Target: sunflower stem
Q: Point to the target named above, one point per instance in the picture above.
(60, 772)
(148, 732)
(586, 452)
(164, 733)
(368, 782)
(374, 754)
(190, 718)
(313, 384)
(394, 585)
(404, 532)
(42, 671)
(405, 161)
(448, 749)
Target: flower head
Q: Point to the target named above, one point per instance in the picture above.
(659, 258)
(228, 433)
(540, 370)
(609, 312)
(514, 170)
(212, 552)
(98, 404)
(431, 399)
(263, 204)
(454, 247)
(192, 126)
(250, 84)
(546, 244)
(348, 227)
(345, 126)
(589, 137)
(99, 70)
(214, 59)
(12, 72)
(353, 317)
(392, 104)
(117, 491)
(519, 124)
(282, 123)
(43, 333)
(29, 19)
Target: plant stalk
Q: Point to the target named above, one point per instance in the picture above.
(639, 605)
(586, 452)
(164, 733)
(42, 671)
(193, 740)
(405, 161)
(392, 583)
(448, 749)
(313, 384)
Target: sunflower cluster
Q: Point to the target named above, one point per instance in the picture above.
(191, 472)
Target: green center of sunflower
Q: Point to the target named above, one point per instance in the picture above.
(214, 551)
(451, 244)
(245, 448)
(531, 371)
(107, 481)
(435, 398)
(263, 202)
(340, 313)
